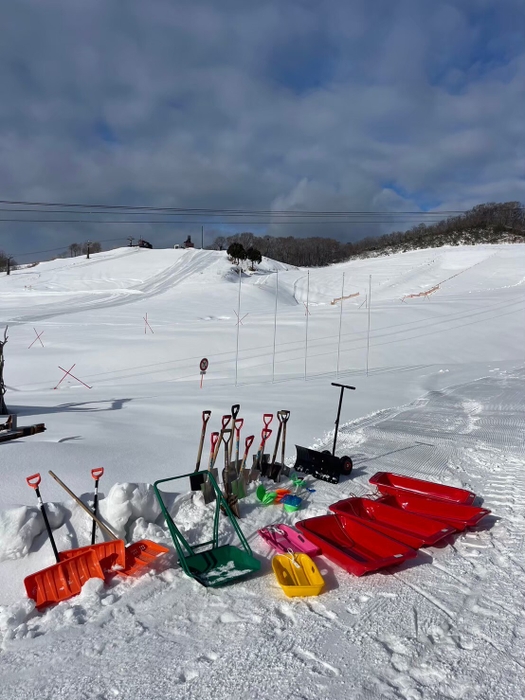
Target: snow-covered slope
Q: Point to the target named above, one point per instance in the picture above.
(443, 399)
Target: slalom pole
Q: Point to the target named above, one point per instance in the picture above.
(369, 319)
(307, 314)
(238, 326)
(340, 326)
(275, 324)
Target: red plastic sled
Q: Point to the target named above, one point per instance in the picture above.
(353, 546)
(454, 514)
(63, 580)
(389, 483)
(413, 530)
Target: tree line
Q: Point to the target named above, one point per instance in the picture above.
(485, 223)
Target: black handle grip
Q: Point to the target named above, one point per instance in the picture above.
(345, 386)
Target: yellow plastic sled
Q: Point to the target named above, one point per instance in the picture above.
(297, 574)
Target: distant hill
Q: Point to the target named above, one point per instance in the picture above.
(485, 223)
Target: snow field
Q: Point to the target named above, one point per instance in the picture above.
(444, 400)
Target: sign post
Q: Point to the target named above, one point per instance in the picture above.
(203, 367)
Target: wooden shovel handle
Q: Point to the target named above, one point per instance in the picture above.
(84, 507)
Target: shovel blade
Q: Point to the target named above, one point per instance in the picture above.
(196, 481)
(63, 580)
(140, 555)
(111, 555)
(208, 492)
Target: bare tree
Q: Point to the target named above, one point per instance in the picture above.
(3, 407)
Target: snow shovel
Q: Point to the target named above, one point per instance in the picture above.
(255, 472)
(325, 465)
(64, 579)
(274, 471)
(207, 490)
(96, 474)
(264, 460)
(197, 479)
(230, 497)
(239, 485)
(137, 555)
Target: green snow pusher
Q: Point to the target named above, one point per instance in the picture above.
(216, 565)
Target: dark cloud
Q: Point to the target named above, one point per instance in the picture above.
(283, 105)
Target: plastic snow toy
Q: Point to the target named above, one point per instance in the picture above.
(297, 574)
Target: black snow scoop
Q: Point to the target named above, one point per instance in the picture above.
(325, 465)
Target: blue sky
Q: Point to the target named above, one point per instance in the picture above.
(334, 105)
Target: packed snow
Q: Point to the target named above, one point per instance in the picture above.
(443, 399)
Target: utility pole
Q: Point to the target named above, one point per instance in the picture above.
(8, 271)
(202, 237)
(88, 243)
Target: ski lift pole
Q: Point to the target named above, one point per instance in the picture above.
(343, 387)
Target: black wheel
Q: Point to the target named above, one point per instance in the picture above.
(346, 465)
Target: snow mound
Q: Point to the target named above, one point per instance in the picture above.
(20, 526)
(126, 503)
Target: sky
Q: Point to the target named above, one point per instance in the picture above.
(269, 105)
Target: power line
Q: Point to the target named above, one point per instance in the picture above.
(190, 211)
(283, 222)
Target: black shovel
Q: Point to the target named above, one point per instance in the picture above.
(197, 479)
(34, 482)
(275, 468)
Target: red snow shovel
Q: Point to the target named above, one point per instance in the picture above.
(64, 579)
(136, 555)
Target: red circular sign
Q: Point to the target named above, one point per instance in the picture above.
(204, 364)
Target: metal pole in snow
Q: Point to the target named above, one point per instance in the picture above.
(275, 323)
(307, 314)
(238, 326)
(369, 310)
(340, 326)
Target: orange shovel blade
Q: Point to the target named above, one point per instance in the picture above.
(62, 581)
(111, 555)
(141, 554)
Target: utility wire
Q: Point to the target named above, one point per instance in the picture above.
(221, 212)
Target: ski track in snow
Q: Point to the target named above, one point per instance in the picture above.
(446, 626)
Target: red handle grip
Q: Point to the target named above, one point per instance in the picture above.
(267, 419)
(214, 439)
(248, 442)
(97, 473)
(225, 421)
(238, 425)
(206, 416)
(34, 480)
(265, 434)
